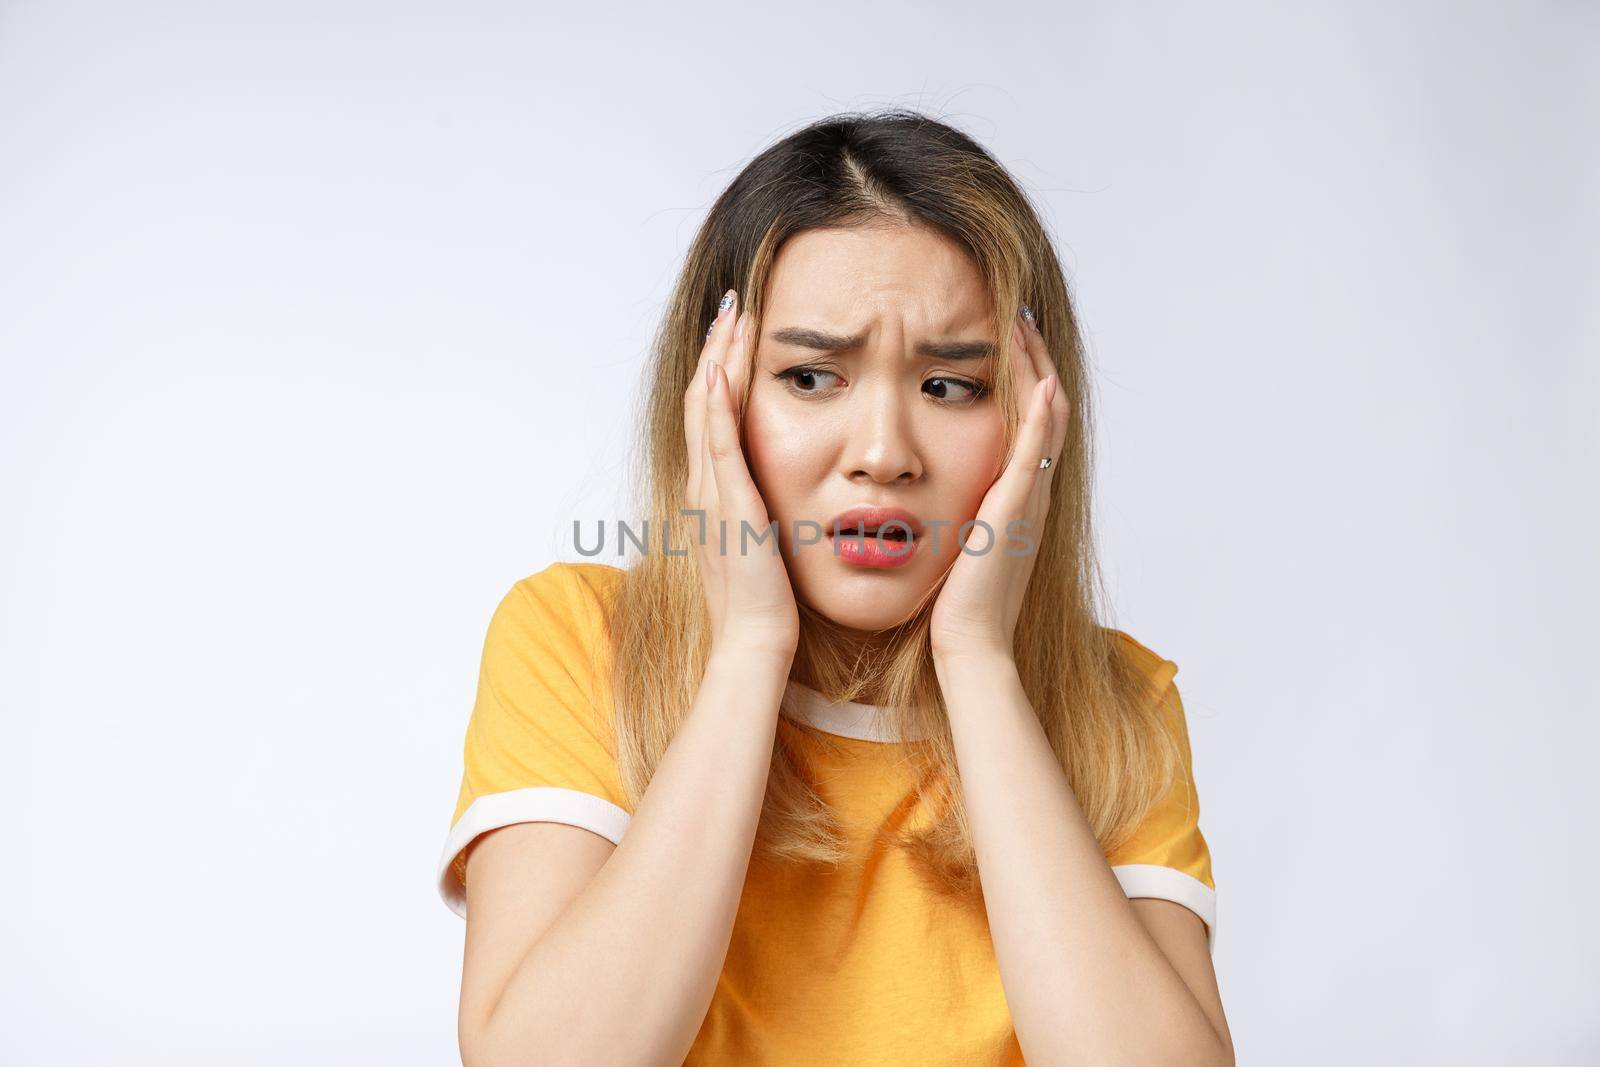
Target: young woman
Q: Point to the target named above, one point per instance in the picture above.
(880, 788)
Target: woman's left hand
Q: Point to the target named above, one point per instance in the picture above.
(977, 609)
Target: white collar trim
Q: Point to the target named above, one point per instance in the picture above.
(864, 722)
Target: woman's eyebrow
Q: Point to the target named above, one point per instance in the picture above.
(821, 341)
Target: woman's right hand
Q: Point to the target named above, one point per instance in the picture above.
(751, 602)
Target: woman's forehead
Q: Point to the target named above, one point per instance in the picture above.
(842, 280)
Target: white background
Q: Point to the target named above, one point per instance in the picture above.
(320, 325)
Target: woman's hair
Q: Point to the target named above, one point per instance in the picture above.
(886, 168)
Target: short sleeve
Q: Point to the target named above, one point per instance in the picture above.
(539, 743)
(1167, 855)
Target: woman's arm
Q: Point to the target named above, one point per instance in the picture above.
(626, 973)
(1085, 977)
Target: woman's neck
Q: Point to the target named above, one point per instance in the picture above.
(864, 650)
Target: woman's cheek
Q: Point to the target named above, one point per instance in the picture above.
(976, 478)
(776, 448)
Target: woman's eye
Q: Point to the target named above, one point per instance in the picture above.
(966, 392)
(802, 379)
(810, 381)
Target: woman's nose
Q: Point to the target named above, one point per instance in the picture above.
(882, 444)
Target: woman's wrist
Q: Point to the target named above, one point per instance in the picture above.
(973, 653)
(973, 664)
(747, 653)
(748, 676)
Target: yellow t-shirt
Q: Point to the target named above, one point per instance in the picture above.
(858, 964)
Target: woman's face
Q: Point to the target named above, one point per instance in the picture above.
(864, 394)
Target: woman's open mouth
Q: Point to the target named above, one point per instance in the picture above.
(877, 548)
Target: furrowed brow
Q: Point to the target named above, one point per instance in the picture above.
(804, 337)
(956, 349)
(822, 341)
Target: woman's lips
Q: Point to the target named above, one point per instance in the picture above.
(873, 516)
(873, 550)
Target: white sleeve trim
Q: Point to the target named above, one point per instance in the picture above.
(537, 804)
(1169, 883)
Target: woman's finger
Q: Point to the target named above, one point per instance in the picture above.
(1024, 372)
(734, 347)
(1023, 471)
(736, 493)
(705, 496)
(1033, 344)
(694, 397)
(721, 331)
(1044, 366)
(737, 365)
(1060, 408)
(1039, 495)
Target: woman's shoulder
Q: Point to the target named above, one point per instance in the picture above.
(1134, 649)
(576, 584)
(575, 598)
(1149, 663)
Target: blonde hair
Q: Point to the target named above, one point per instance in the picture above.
(892, 167)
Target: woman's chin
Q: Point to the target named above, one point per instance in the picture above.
(863, 622)
(872, 608)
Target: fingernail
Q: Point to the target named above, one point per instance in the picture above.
(722, 311)
(711, 373)
(1050, 389)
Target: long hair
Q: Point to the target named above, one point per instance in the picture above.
(889, 167)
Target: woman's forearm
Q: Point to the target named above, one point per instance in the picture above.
(1084, 981)
(627, 971)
